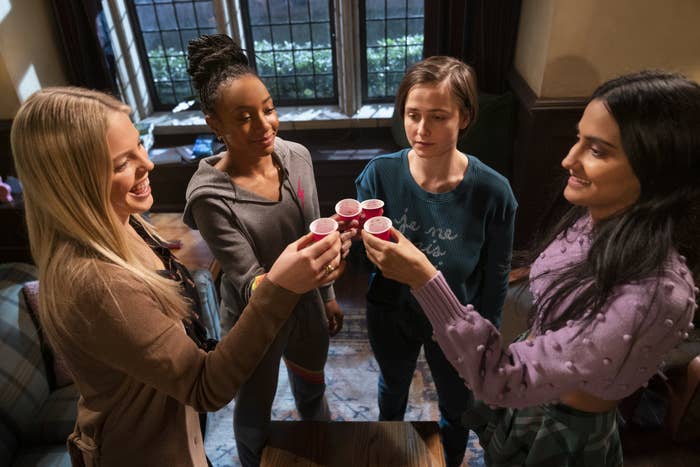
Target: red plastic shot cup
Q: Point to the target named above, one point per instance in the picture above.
(322, 227)
(379, 226)
(372, 208)
(348, 209)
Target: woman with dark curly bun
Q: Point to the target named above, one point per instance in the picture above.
(249, 202)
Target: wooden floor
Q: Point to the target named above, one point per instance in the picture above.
(641, 448)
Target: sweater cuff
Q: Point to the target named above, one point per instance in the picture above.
(274, 299)
(327, 292)
(438, 301)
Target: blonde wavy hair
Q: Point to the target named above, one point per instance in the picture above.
(59, 142)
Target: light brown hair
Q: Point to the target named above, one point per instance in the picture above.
(439, 69)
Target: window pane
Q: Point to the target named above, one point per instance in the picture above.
(166, 16)
(323, 61)
(375, 33)
(393, 41)
(183, 91)
(305, 87)
(301, 35)
(258, 14)
(375, 85)
(396, 58)
(396, 30)
(415, 8)
(165, 28)
(153, 44)
(303, 62)
(282, 37)
(324, 86)
(393, 81)
(375, 10)
(294, 45)
(266, 63)
(319, 10)
(159, 68)
(321, 34)
(376, 59)
(287, 88)
(396, 9)
(178, 67)
(185, 15)
(188, 35)
(165, 93)
(284, 63)
(300, 11)
(171, 42)
(147, 18)
(205, 14)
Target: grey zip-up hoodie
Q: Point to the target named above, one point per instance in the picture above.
(246, 232)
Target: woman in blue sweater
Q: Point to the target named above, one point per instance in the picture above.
(460, 213)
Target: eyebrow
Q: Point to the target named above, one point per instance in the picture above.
(595, 139)
(267, 99)
(429, 110)
(125, 151)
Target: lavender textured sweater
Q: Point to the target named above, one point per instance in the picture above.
(609, 359)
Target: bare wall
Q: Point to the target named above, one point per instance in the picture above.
(29, 54)
(585, 43)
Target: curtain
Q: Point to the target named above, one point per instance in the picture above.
(84, 38)
(480, 32)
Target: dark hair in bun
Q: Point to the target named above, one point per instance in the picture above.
(214, 59)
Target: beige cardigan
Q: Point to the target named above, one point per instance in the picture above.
(142, 380)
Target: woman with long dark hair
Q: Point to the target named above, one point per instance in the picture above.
(613, 283)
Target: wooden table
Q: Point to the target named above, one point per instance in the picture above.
(194, 253)
(353, 444)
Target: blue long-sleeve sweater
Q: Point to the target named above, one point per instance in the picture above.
(467, 233)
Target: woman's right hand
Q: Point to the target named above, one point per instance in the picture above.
(305, 265)
(399, 260)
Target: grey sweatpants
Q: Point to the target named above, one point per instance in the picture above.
(303, 342)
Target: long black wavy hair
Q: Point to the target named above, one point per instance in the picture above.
(658, 114)
(214, 59)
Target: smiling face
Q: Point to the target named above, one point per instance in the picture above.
(131, 191)
(433, 119)
(245, 117)
(601, 177)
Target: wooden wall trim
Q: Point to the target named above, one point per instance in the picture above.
(545, 131)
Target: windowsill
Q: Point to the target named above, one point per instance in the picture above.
(291, 118)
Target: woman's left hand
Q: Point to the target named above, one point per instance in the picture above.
(400, 261)
(335, 317)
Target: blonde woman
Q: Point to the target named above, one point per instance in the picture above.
(106, 305)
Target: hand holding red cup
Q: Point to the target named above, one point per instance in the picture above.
(372, 208)
(348, 209)
(322, 227)
(379, 226)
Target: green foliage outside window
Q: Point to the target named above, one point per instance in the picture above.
(386, 63)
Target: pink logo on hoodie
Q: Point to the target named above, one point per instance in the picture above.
(300, 192)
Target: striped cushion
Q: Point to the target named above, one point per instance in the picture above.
(23, 383)
(44, 456)
(56, 419)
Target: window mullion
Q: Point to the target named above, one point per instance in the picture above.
(347, 48)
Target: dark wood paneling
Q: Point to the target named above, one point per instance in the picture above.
(7, 166)
(545, 131)
(339, 155)
(14, 241)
